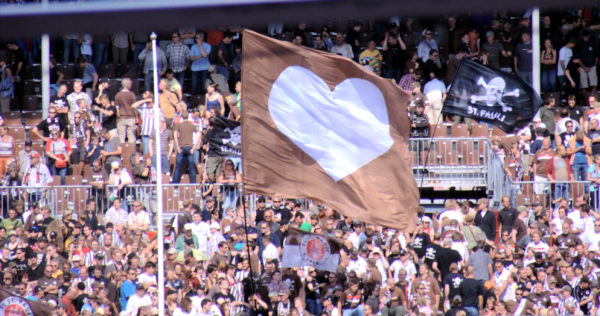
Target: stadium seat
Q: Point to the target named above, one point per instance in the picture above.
(31, 103)
(128, 70)
(439, 130)
(468, 153)
(12, 119)
(576, 190)
(429, 158)
(498, 132)
(73, 180)
(480, 130)
(107, 70)
(18, 132)
(68, 71)
(32, 86)
(33, 118)
(447, 153)
(55, 180)
(459, 130)
(197, 101)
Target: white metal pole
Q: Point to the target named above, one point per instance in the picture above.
(535, 46)
(159, 191)
(45, 70)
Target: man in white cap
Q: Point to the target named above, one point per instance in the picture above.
(215, 238)
(116, 214)
(119, 178)
(187, 240)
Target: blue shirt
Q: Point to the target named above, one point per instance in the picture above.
(593, 174)
(201, 63)
(127, 289)
(88, 74)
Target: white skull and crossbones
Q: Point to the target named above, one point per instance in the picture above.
(494, 92)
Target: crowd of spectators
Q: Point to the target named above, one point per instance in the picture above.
(223, 255)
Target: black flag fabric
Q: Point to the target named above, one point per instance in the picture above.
(225, 139)
(493, 96)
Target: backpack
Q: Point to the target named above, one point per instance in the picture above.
(7, 87)
(213, 56)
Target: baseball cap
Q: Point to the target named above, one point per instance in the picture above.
(215, 226)
(115, 164)
(172, 251)
(35, 155)
(188, 226)
(489, 33)
(354, 251)
(139, 286)
(28, 143)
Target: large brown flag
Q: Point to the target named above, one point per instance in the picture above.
(320, 126)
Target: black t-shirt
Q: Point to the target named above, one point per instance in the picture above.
(49, 124)
(594, 134)
(419, 243)
(565, 137)
(470, 289)
(79, 301)
(583, 294)
(454, 281)
(60, 102)
(286, 215)
(587, 52)
(14, 58)
(351, 39)
(445, 257)
(575, 113)
(393, 58)
(507, 217)
(431, 254)
(540, 299)
(565, 241)
(227, 53)
(110, 122)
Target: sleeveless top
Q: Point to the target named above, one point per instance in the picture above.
(213, 104)
(6, 148)
(548, 56)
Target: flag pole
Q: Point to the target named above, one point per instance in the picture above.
(536, 50)
(159, 192)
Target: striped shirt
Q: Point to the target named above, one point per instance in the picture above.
(147, 116)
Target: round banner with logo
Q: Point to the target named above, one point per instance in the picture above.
(315, 249)
(15, 306)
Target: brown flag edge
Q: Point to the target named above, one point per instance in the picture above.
(382, 192)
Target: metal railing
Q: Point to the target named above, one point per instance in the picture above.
(528, 192)
(449, 162)
(75, 197)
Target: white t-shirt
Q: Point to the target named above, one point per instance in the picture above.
(407, 266)
(564, 55)
(135, 302)
(201, 231)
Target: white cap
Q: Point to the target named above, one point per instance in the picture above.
(187, 226)
(115, 164)
(215, 226)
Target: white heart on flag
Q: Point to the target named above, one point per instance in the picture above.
(342, 130)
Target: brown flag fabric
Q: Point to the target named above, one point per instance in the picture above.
(320, 126)
(17, 305)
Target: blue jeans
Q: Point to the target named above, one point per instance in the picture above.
(357, 311)
(100, 53)
(525, 76)
(71, 47)
(231, 194)
(145, 144)
(185, 154)
(221, 69)
(314, 306)
(561, 190)
(62, 172)
(471, 311)
(580, 171)
(165, 164)
(198, 81)
(548, 80)
(149, 81)
(392, 73)
(180, 76)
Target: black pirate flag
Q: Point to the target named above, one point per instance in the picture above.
(493, 96)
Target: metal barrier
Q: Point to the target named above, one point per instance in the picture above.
(75, 197)
(442, 163)
(522, 192)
